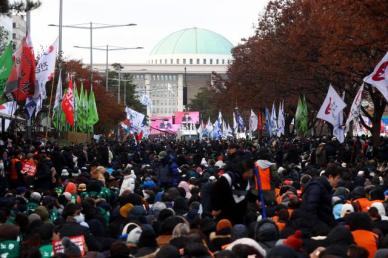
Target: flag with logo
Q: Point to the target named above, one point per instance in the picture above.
(136, 118)
(240, 121)
(21, 82)
(217, 130)
(5, 69)
(332, 105)
(68, 104)
(355, 109)
(44, 72)
(379, 77)
(45, 69)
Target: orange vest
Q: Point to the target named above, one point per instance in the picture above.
(366, 239)
(364, 204)
(265, 179)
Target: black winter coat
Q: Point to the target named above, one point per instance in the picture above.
(316, 204)
(222, 200)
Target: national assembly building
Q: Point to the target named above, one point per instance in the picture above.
(178, 66)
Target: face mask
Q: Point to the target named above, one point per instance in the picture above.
(79, 218)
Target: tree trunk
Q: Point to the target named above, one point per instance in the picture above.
(379, 104)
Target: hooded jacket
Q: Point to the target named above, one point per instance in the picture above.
(316, 203)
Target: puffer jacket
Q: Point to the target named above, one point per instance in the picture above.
(316, 204)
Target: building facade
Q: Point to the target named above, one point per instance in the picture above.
(178, 67)
(19, 28)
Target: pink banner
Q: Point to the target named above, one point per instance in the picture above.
(163, 124)
(187, 117)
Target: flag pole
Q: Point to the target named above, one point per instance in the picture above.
(51, 100)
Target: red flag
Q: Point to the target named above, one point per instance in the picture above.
(260, 121)
(139, 136)
(21, 82)
(68, 104)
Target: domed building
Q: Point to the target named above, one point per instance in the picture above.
(178, 66)
(192, 46)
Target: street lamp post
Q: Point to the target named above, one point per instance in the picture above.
(91, 26)
(108, 48)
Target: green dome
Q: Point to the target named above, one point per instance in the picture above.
(193, 41)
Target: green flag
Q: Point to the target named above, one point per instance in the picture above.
(82, 111)
(301, 117)
(84, 103)
(92, 110)
(5, 69)
(76, 107)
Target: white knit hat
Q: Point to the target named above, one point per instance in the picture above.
(346, 208)
(131, 233)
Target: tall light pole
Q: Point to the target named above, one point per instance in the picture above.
(92, 26)
(108, 48)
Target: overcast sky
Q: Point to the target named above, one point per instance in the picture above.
(234, 19)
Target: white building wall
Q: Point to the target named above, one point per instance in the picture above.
(18, 30)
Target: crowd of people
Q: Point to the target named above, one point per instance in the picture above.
(163, 198)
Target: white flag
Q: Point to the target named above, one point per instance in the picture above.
(355, 109)
(45, 69)
(145, 100)
(332, 105)
(235, 125)
(273, 121)
(379, 77)
(338, 129)
(58, 93)
(230, 131)
(281, 120)
(44, 72)
(136, 118)
(253, 121)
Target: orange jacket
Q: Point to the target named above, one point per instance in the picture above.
(366, 239)
(364, 204)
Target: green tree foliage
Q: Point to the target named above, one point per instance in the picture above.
(18, 6)
(203, 102)
(4, 39)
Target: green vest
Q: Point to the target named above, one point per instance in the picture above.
(53, 215)
(31, 207)
(58, 190)
(9, 249)
(46, 251)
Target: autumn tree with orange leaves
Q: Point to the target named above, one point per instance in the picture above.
(302, 46)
